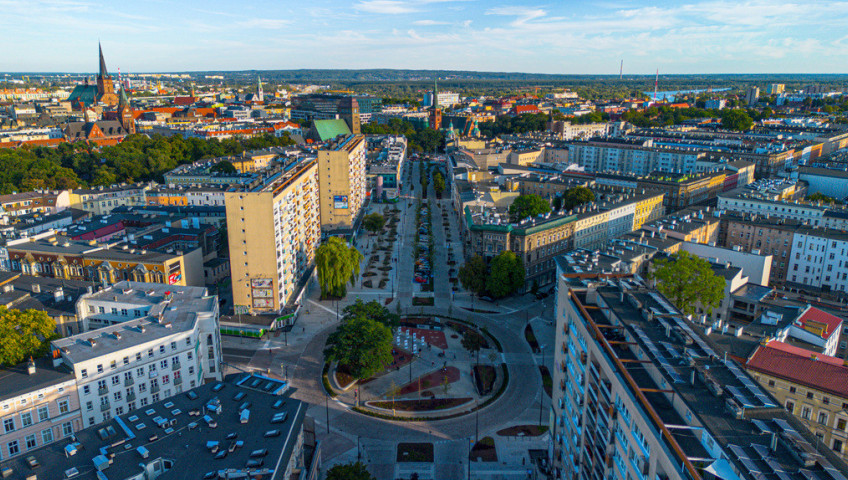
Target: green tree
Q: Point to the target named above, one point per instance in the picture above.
(438, 183)
(371, 310)
(689, 282)
(506, 274)
(820, 197)
(473, 342)
(361, 345)
(349, 471)
(374, 222)
(528, 206)
(576, 196)
(224, 167)
(735, 119)
(24, 334)
(472, 275)
(338, 264)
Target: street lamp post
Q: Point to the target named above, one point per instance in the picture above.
(327, 406)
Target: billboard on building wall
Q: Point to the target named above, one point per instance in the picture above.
(174, 278)
(261, 283)
(263, 303)
(340, 201)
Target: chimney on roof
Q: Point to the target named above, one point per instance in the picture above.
(36, 288)
(31, 366)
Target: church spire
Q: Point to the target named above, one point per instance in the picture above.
(122, 100)
(103, 71)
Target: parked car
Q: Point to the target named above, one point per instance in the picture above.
(487, 299)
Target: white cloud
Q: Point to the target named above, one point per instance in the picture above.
(269, 23)
(429, 22)
(386, 7)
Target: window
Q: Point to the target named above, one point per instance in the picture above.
(68, 429)
(791, 389)
(822, 418)
(64, 407)
(89, 406)
(86, 389)
(805, 413)
(810, 395)
(143, 401)
(9, 425)
(840, 424)
(43, 413)
(116, 380)
(771, 383)
(164, 364)
(837, 446)
(113, 365)
(84, 373)
(46, 436)
(173, 345)
(100, 369)
(126, 360)
(161, 348)
(188, 341)
(30, 442)
(150, 352)
(138, 356)
(13, 448)
(117, 396)
(139, 372)
(826, 400)
(790, 406)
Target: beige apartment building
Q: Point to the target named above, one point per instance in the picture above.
(342, 182)
(38, 406)
(273, 228)
(810, 385)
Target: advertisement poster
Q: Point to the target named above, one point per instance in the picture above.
(174, 278)
(261, 283)
(340, 201)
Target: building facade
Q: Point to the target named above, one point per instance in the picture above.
(274, 228)
(159, 341)
(342, 183)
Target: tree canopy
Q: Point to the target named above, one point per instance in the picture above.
(528, 206)
(735, 119)
(138, 158)
(472, 275)
(224, 167)
(372, 310)
(420, 139)
(574, 197)
(506, 274)
(689, 282)
(24, 334)
(349, 471)
(473, 342)
(362, 345)
(438, 183)
(338, 264)
(373, 222)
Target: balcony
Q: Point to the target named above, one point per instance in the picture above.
(128, 382)
(130, 397)
(178, 380)
(175, 366)
(104, 407)
(103, 391)
(154, 389)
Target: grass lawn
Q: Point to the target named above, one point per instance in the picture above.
(531, 339)
(415, 452)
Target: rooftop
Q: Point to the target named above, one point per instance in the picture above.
(170, 309)
(15, 381)
(184, 441)
(802, 366)
(719, 400)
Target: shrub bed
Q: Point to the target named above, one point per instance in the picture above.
(420, 405)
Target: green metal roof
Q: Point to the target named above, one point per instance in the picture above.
(328, 129)
(86, 93)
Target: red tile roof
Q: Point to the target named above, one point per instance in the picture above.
(801, 366)
(830, 322)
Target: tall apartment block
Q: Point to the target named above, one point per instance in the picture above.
(273, 228)
(342, 181)
(642, 393)
(160, 340)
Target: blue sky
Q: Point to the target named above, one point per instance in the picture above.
(570, 37)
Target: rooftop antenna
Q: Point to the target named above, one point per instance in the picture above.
(621, 69)
(656, 82)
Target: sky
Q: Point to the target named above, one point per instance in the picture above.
(562, 37)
